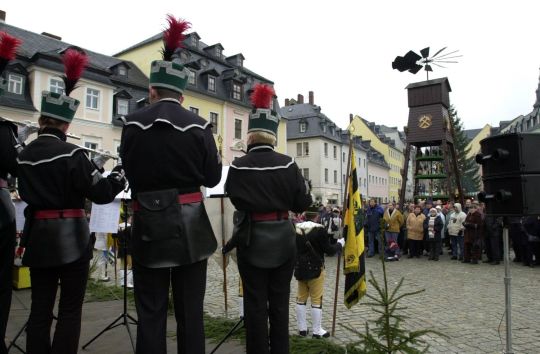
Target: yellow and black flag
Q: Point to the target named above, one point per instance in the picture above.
(354, 255)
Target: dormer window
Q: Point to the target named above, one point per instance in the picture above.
(122, 107)
(15, 84)
(192, 77)
(303, 127)
(324, 128)
(237, 91)
(218, 52)
(122, 71)
(211, 83)
(333, 131)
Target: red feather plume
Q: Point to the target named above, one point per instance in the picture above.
(8, 49)
(74, 64)
(262, 96)
(8, 46)
(174, 36)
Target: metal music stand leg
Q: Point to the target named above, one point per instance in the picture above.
(228, 335)
(13, 343)
(124, 318)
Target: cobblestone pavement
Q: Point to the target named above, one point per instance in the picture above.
(463, 301)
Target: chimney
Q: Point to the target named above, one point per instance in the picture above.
(311, 98)
(46, 34)
(2, 16)
(351, 117)
(300, 99)
(286, 102)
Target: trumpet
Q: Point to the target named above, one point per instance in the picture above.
(105, 154)
(34, 125)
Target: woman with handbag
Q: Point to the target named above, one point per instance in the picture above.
(311, 244)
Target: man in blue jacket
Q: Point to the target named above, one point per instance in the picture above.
(374, 213)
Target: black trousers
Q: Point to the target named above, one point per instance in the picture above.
(73, 279)
(415, 247)
(7, 252)
(266, 297)
(152, 299)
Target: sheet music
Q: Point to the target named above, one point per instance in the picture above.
(105, 217)
(19, 214)
(219, 189)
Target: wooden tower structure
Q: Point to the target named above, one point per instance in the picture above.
(430, 131)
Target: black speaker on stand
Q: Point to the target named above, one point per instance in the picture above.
(511, 176)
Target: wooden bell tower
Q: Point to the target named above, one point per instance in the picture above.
(430, 131)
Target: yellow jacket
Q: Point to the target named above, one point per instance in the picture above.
(415, 226)
(394, 221)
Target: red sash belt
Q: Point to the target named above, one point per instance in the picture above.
(57, 214)
(271, 216)
(182, 199)
(3, 183)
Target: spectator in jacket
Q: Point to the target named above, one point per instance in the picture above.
(473, 235)
(493, 239)
(393, 220)
(374, 213)
(455, 230)
(433, 224)
(531, 228)
(415, 232)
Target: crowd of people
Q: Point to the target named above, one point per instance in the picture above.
(428, 227)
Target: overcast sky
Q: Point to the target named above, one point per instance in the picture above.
(341, 50)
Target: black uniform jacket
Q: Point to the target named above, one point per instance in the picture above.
(8, 164)
(265, 181)
(165, 146)
(57, 175)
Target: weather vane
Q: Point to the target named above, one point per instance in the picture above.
(413, 62)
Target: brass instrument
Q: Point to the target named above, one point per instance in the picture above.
(27, 123)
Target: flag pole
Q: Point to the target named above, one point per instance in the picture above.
(346, 191)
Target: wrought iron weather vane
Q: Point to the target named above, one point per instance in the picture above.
(413, 63)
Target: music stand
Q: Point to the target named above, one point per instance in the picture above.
(235, 328)
(124, 318)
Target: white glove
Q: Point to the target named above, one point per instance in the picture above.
(341, 241)
(23, 132)
(118, 174)
(99, 161)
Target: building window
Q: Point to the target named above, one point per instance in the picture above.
(122, 107)
(306, 149)
(324, 128)
(214, 122)
(237, 91)
(91, 145)
(122, 70)
(325, 149)
(298, 149)
(92, 98)
(194, 110)
(335, 177)
(303, 126)
(15, 84)
(57, 86)
(333, 131)
(365, 182)
(343, 157)
(218, 52)
(306, 173)
(335, 152)
(326, 175)
(192, 78)
(238, 129)
(211, 83)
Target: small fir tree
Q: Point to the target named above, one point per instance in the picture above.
(387, 335)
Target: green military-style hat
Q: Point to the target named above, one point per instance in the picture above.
(262, 118)
(61, 106)
(169, 73)
(8, 51)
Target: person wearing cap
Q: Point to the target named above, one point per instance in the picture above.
(169, 152)
(473, 235)
(311, 244)
(433, 225)
(10, 145)
(263, 186)
(55, 179)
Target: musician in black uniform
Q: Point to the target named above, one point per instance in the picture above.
(9, 144)
(263, 186)
(169, 153)
(55, 178)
